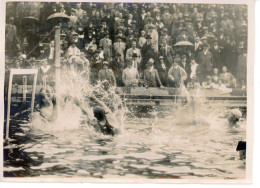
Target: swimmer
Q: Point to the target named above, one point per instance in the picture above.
(47, 104)
(101, 113)
(234, 117)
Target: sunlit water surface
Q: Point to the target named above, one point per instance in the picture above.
(160, 144)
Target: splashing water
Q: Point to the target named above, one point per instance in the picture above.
(165, 144)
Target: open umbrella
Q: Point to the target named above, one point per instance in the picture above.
(58, 18)
(30, 20)
(183, 43)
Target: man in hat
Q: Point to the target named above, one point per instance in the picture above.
(167, 53)
(227, 24)
(95, 67)
(176, 75)
(183, 36)
(118, 65)
(165, 36)
(78, 11)
(132, 50)
(186, 66)
(162, 71)
(77, 41)
(106, 44)
(107, 74)
(119, 47)
(73, 19)
(130, 75)
(11, 39)
(167, 19)
(197, 46)
(221, 38)
(142, 39)
(217, 55)
(205, 60)
(151, 77)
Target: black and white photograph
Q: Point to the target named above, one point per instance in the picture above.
(127, 91)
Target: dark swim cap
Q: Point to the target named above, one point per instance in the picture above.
(99, 112)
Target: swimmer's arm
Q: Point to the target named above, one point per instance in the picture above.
(101, 103)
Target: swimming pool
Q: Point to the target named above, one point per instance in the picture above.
(154, 145)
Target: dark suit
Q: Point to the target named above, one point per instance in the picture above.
(168, 53)
(205, 62)
(187, 69)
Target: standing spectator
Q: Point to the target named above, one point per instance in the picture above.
(50, 52)
(241, 68)
(95, 67)
(119, 47)
(167, 53)
(46, 73)
(117, 65)
(11, 39)
(130, 76)
(132, 50)
(142, 39)
(162, 71)
(186, 66)
(204, 59)
(106, 44)
(106, 74)
(216, 55)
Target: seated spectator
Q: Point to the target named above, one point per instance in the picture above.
(130, 76)
(194, 68)
(227, 78)
(176, 75)
(215, 76)
(193, 83)
(107, 74)
(222, 88)
(151, 77)
(208, 84)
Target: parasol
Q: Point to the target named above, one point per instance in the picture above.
(58, 18)
(30, 20)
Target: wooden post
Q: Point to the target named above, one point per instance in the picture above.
(9, 104)
(57, 66)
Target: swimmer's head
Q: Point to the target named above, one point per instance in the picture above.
(99, 113)
(234, 115)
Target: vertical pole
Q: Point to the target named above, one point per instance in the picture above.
(33, 93)
(24, 88)
(9, 104)
(57, 66)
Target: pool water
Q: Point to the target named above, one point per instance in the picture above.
(160, 144)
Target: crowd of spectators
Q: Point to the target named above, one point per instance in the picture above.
(142, 44)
